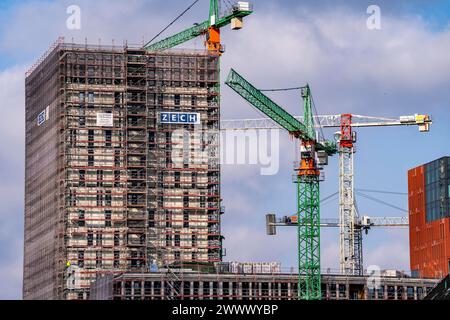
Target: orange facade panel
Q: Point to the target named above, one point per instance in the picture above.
(429, 241)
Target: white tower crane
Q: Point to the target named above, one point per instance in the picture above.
(350, 225)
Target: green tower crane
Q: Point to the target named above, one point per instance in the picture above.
(210, 28)
(308, 174)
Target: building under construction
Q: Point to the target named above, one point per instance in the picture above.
(192, 285)
(122, 165)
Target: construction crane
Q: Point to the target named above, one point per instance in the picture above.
(365, 223)
(350, 235)
(313, 153)
(210, 28)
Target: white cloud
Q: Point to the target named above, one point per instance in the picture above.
(12, 88)
(11, 176)
(350, 68)
(11, 270)
(389, 250)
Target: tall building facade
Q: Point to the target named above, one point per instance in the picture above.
(429, 218)
(122, 165)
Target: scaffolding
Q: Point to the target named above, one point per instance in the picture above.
(122, 201)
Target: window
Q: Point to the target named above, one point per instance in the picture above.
(82, 176)
(90, 71)
(194, 240)
(177, 179)
(160, 99)
(342, 291)
(177, 255)
(116, 178)
(81, 259)
(81, 218)
(99, 178)
(91, 97)
(99, 199)
(151, 137)
(186, 219)
(177, 99)
(99, 238)
(108, 199)
(108, 138)
(168, 220)
(117, 97)
(116, 238)
(193, 100)
(420, 292)
(151, 218)
(117, 158)
(90, 160)
(202, 201)
(116, 259)
(90, 238)
(72, 198)
(90, 135)
(82, 121)
(410, 293)
(177, 240)
(98, 259)
(391, 292)
(72, 137)
(108, 218)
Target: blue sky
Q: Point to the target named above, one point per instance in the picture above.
(404, 68)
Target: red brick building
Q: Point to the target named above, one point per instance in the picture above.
(429, 219)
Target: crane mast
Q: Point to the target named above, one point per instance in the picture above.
(350, 241)
(308, 173)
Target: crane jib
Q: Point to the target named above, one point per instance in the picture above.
(263, 103)
(195, 31)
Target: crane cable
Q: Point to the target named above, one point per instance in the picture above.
(329, 197)
(170, 24)
(380, 201)
(229, 7)
(312, 100)
(281, 89)
(317, 117)
(327, 200)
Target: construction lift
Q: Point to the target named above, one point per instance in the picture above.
(350, 225)
(313, 153)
